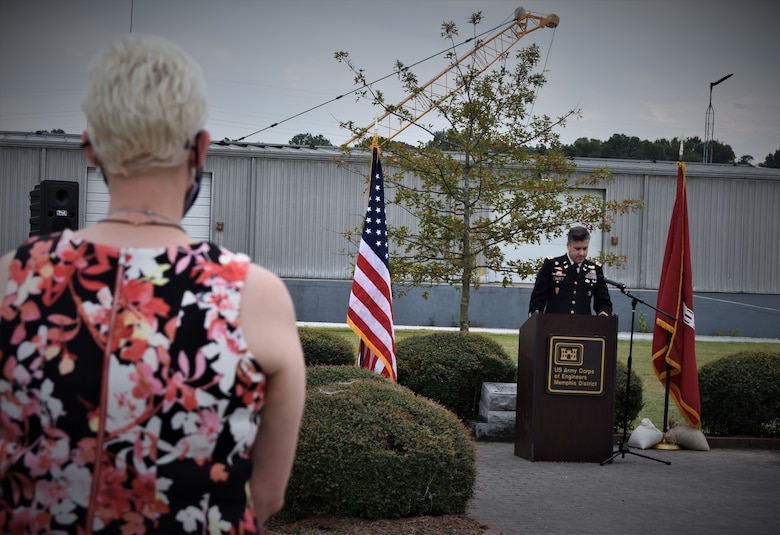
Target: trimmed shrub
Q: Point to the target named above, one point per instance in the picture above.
(372, 449)
(635, 401)
(322, 375)
(740, 395)
(321, 346)
(450, 367)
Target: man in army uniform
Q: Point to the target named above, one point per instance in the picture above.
(571, 284)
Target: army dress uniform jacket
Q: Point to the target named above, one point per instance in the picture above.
(559, 289)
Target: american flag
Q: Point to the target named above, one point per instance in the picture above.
(370, 313)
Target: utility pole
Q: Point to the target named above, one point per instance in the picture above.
(709, 123)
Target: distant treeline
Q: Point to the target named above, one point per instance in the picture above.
(623, 147)
(620, 146)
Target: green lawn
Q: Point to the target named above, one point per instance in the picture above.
(653, 390)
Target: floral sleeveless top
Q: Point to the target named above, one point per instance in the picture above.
(128, 398)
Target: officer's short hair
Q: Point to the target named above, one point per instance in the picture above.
(577, 234)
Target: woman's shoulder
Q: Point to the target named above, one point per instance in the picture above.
(33, 246)
(259, 280)
(262, 281)
(5, 269)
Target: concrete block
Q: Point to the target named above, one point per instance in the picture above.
(499, 396)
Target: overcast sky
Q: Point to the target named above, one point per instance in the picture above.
(636, 67)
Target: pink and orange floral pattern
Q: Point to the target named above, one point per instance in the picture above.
(128, 399)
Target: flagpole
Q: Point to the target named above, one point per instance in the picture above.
(670, 334)
(664, 444)
(375, 140)
(370, 309)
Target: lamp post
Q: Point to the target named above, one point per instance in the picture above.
(709, 123)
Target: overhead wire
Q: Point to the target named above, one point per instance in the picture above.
(369, 84)
(544, 70)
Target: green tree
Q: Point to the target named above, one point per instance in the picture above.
(489, 190)
(583, 148)
(722, 153)
(444, 139)
(309, 140)
(772, 160)
(620, 146)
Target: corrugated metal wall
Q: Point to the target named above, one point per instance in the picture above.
(737, 228)
(288, 208)
(21, 169)
(19, 173)
(231, 187)
(301, 208)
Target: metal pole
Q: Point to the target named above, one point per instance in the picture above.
(709, 123)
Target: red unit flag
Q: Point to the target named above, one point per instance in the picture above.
(674, 341)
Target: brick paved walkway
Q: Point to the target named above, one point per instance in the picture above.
(719, 491)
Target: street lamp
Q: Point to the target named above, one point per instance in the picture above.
(709, 123)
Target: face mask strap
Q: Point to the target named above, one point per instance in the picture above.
(84, 145)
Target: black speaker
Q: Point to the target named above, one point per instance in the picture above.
(54, 206)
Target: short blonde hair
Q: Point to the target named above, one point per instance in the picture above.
(145, 102)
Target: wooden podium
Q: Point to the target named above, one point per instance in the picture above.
(566, 388)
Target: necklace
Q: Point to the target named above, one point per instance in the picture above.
(142, 223)
(154, 216)
(147, 212)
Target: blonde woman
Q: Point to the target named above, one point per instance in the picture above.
(148, 383)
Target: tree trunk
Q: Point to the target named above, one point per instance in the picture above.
(465, 297)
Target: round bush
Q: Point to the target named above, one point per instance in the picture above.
(740, 395)
(450, 367)
(321, 346)
(635, 401)
(372, 449)
(322, 375)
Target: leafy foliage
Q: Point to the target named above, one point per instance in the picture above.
(772, 160)
(634, 403)
(740, 395)
(621, 146)
(321, 375)
(321, 346)
(372, 449)
(309, 140)
(478, 188)
(450, 367)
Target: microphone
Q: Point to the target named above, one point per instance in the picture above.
(613, 283)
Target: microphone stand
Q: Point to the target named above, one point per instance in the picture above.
(623, 447)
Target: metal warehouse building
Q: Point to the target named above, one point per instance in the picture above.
(287, 206)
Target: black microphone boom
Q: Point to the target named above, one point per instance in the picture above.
(615, 284)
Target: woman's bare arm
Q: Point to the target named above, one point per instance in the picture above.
(268, 323)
